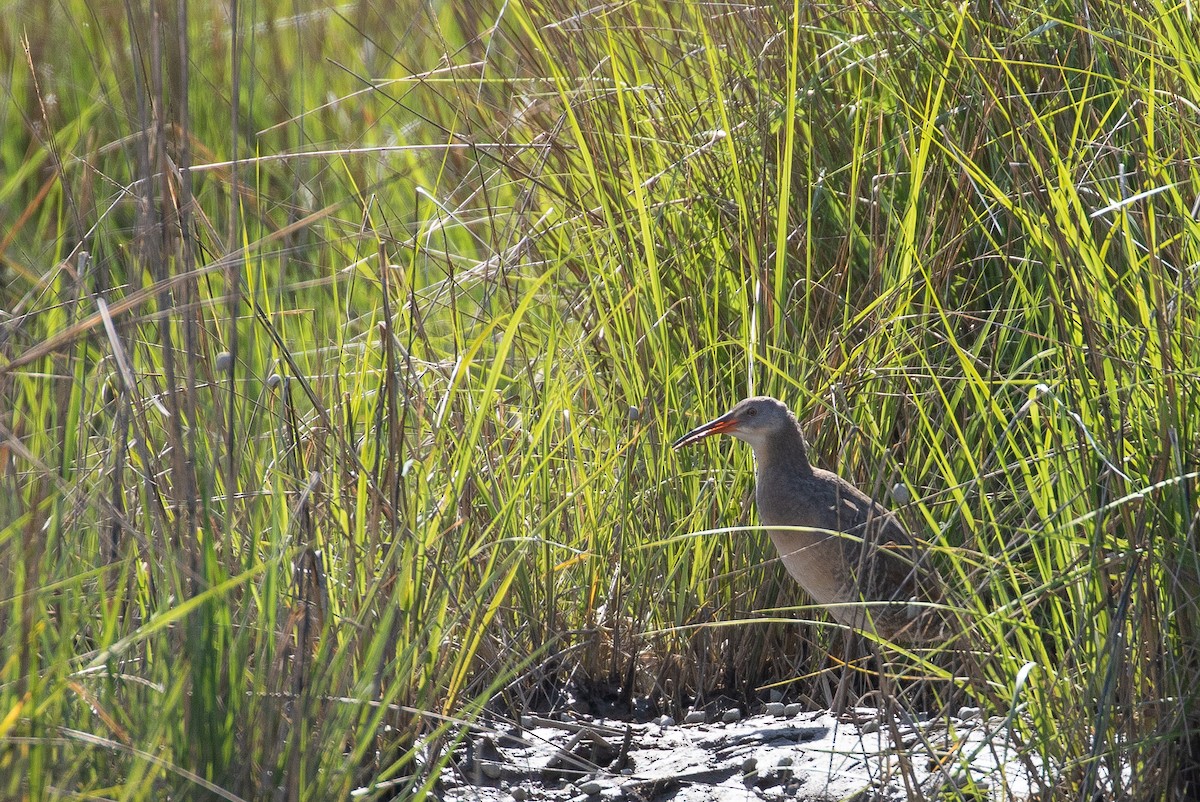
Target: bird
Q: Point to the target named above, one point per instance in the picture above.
(846, 550)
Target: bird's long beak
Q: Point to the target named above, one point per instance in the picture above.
(722, 424)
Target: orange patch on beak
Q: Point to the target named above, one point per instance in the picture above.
(721, 424)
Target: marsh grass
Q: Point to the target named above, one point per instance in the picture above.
(341, 350)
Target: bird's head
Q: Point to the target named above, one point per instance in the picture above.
(756, 421)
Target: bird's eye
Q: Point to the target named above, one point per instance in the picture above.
(750, 413)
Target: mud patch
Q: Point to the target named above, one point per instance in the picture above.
(772, 755)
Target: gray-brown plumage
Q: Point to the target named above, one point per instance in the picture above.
(848, 553)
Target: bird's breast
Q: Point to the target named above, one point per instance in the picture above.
(809, 537)
(813, 561)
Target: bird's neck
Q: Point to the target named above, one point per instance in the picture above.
(784, 453)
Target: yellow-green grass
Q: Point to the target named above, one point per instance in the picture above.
(358, 427)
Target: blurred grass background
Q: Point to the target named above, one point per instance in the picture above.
(340, 349)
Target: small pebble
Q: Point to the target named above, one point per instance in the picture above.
(695, 717)
(749, 765)
(519, 794)
(666, 721)
(792, 710)
(592, 787)
(785, 761)
(869, 726)
(968, 713)
(731, 715)
(490, 770)
(775, 708)
(901, 494)
(527, 722)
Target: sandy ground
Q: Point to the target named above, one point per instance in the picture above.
(779, 753)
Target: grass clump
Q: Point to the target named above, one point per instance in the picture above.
(340, 352)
